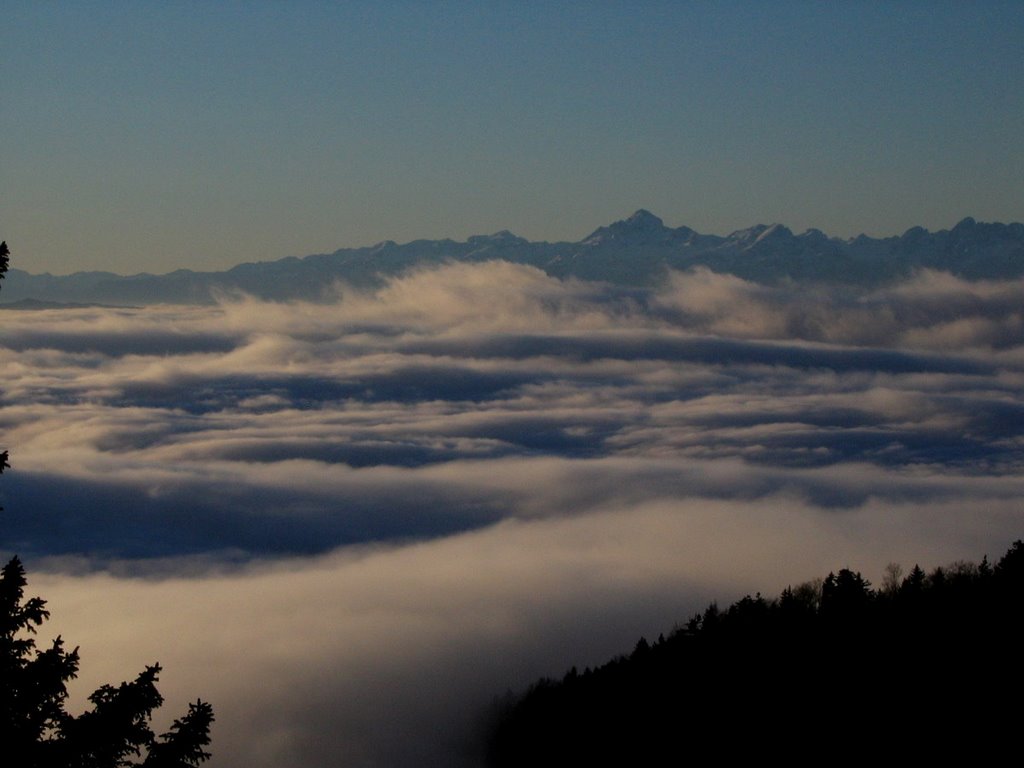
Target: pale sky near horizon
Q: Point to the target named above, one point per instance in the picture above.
(153, 136)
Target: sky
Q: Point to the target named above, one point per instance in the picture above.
(154, 136)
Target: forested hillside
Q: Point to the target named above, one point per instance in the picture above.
(926, 668)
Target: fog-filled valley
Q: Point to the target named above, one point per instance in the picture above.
(377, 512)
(352, 376)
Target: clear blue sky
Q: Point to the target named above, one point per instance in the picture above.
(148, 136)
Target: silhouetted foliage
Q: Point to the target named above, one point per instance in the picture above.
(34, 723)
(36, 731)
(183, 744)
(830, 670)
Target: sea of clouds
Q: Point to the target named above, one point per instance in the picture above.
(351, 526)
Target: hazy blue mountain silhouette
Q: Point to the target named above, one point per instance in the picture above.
(635, 251)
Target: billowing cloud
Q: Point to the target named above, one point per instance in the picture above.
(362, 520)
(933, 310)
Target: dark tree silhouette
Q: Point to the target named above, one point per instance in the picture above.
(923, 671)
(36, 731)
(34, 723)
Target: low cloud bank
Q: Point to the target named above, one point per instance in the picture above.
(392, 656)
(364, 520)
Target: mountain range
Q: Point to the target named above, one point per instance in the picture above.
(636, 251)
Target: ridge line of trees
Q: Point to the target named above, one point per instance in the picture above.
(926, 669)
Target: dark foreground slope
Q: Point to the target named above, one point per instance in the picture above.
(929, 668)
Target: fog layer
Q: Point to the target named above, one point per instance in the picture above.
(350, 526)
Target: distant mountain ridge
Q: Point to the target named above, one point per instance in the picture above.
(635, 251)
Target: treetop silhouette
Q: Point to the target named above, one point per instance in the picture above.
(917, 671)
